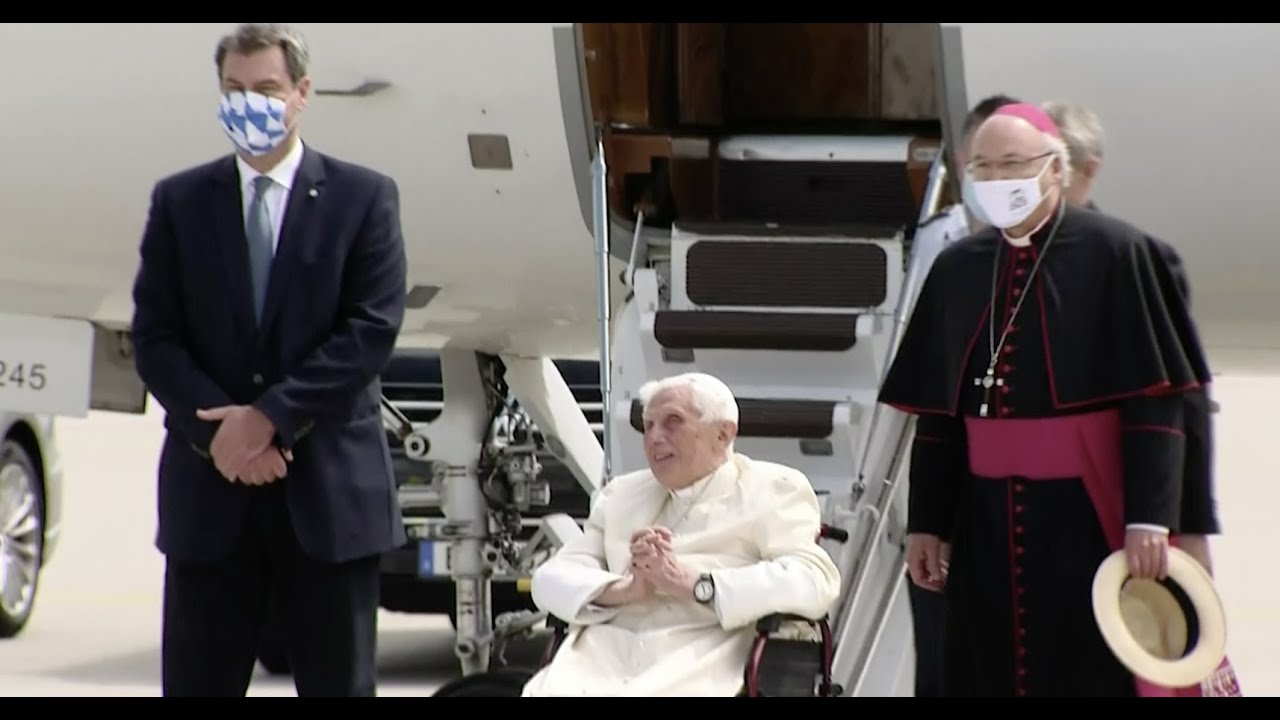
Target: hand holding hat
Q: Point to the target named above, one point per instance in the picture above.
(1148, 553)
(1162, 639)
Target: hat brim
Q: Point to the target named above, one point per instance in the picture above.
(1210, 646)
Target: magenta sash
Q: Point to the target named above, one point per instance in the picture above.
(1087, 446)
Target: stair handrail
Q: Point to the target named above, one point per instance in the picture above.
(889, 465)
(600, 229)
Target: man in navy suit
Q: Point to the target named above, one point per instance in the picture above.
(268, 301)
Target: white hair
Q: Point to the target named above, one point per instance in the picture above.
(1081, 129)
(1059, 148)
(713, 400)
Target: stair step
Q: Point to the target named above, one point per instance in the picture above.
(726, 272)
(733, 330)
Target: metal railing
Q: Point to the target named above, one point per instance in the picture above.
(886, 476)
(600, 221)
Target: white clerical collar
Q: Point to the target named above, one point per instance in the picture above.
(1020, 242)
(1025, 240)
(690, 492)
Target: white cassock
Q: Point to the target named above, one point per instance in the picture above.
(752, 525)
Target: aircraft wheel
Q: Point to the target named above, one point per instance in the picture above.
(507, 682)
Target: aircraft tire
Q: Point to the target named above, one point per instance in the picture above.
(507, 682)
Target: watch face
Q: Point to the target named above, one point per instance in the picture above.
(702, 591)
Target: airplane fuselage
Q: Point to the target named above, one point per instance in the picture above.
(486, 128)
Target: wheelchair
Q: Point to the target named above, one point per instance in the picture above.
(775, 666)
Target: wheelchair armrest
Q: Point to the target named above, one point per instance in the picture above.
(772, 623)
(840, 535)
(791, 667)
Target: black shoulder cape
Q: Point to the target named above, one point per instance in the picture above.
(1116, 325)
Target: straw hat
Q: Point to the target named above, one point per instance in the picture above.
(1161, 638)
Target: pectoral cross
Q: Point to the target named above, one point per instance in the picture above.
(987, 382)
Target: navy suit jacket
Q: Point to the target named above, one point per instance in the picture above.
(333, 311)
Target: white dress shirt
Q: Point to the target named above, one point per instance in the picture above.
(283, 175)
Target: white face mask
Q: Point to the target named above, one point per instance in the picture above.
(1008, 202)
(970, 198)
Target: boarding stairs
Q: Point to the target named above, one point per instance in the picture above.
(793, 303)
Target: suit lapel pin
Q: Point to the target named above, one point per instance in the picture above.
(314, 192)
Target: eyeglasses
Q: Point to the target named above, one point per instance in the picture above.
(1012, 167)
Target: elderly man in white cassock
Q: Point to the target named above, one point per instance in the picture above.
(678, 561)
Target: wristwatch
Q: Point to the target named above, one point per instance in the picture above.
(704, 590)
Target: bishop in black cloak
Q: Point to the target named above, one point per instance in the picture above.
(1047, 358)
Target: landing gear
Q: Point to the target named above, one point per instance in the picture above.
(484, 452)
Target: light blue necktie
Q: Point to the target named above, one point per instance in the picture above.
(261, 238)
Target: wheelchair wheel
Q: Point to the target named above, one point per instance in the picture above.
(507, 682)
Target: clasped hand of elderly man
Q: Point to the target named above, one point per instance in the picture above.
(654, 570)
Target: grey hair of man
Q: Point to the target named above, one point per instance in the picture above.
(1084, 138)
(709, 395)
(249, 38)
(1081, 128)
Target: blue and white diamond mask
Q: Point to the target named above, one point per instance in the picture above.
(254, 122)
